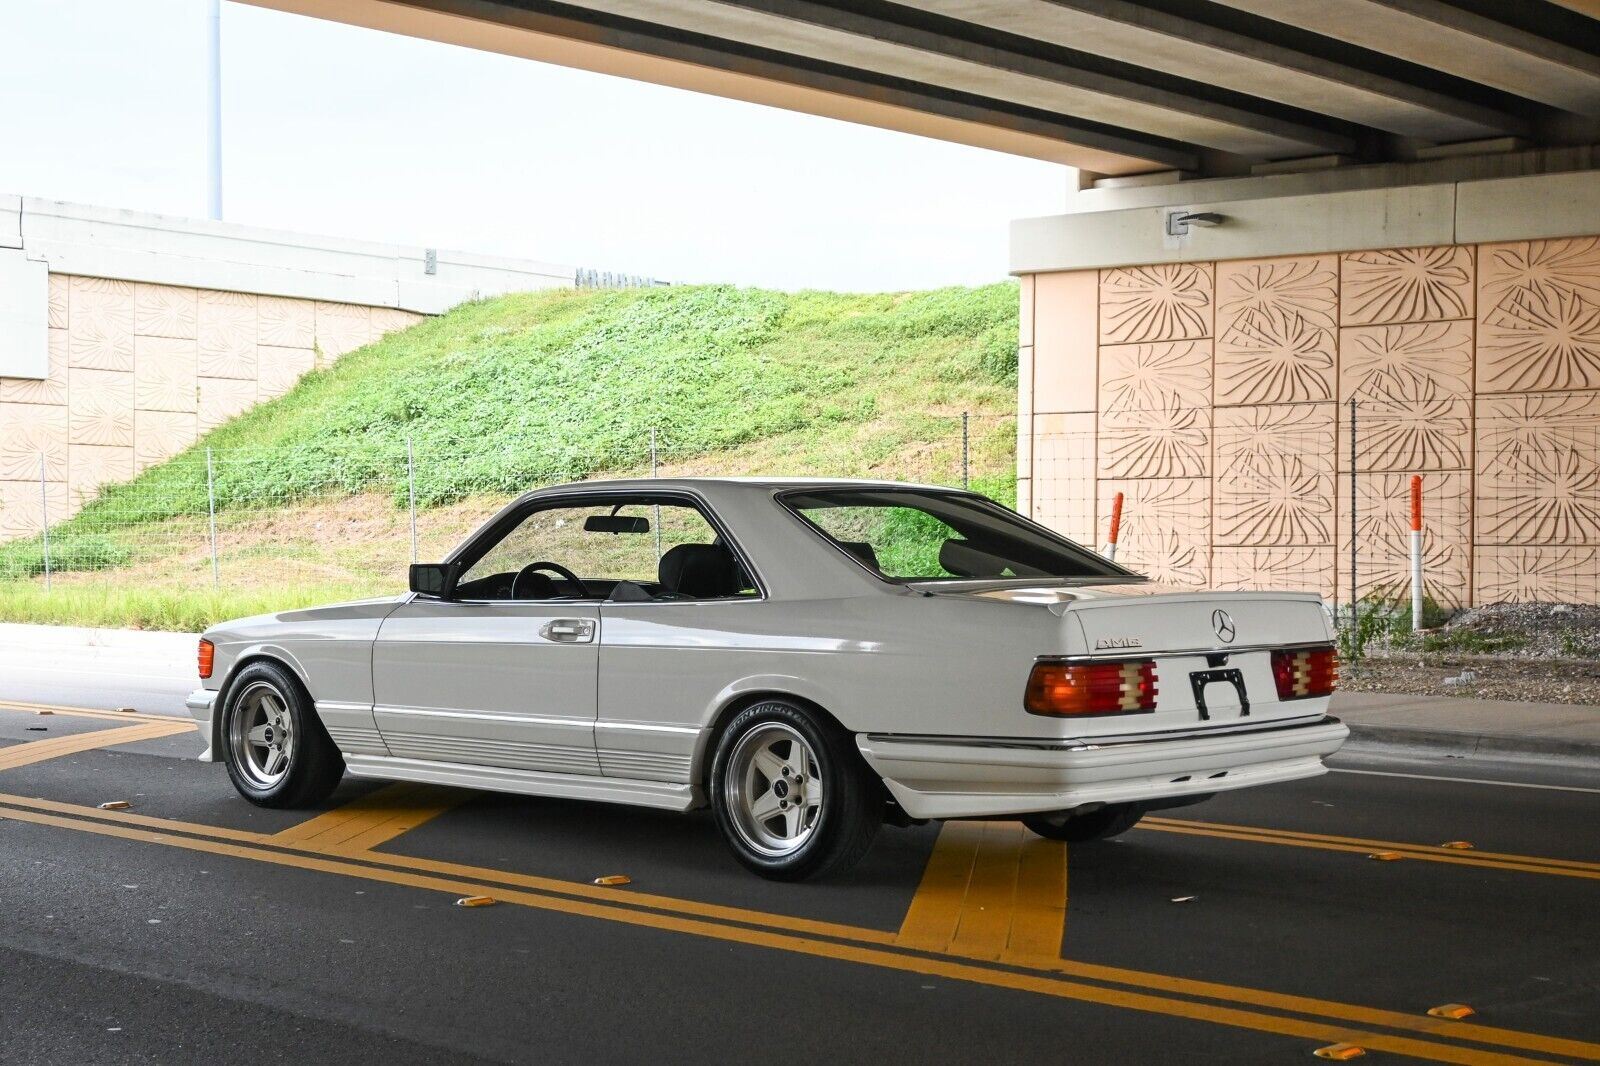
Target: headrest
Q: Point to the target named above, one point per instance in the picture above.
(699, 571)
(863, 551)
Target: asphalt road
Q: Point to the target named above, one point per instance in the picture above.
(193, 927)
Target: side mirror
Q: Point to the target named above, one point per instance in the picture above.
(435, 579)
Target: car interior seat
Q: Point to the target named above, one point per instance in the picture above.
(699, 571)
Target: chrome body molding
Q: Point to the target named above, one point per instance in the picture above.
(526, 782)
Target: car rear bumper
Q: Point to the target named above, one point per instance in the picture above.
(965, 777)
(200, 704)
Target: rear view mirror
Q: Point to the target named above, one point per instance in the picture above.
(610, 523)
(435, 579)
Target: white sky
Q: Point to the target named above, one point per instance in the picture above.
(332, 129)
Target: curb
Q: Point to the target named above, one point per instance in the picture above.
(1471, 745)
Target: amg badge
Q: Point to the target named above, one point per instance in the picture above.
(1106, 643)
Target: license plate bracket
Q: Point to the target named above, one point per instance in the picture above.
(1231, 675)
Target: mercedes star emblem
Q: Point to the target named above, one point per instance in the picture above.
(1223, 624)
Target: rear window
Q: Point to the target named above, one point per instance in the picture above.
(921, 535)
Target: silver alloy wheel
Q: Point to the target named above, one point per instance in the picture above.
(261, 735)
(773, 790)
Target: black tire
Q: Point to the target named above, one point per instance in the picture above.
(1108, 821)
(847, 813)
(306, 766)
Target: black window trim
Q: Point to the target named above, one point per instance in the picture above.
(469, 553)
(1124, 577)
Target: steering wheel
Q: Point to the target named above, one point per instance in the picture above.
(555, 568)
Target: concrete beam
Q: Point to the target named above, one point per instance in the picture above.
(24, 316)
(1190, 48)
(1448, 38)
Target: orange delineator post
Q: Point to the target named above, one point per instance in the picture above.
(1116, 527)
(1416, 552)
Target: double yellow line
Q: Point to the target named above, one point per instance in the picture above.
(980, 865)
(1493, 860)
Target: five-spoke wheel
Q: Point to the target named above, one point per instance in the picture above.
(791, 794)
(277, 751)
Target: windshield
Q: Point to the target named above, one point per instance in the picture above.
(922, 535)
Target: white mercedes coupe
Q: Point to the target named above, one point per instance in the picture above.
(811, 658)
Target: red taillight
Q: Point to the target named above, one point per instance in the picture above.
(1304, 672)
(208, 654)
(1062, 689)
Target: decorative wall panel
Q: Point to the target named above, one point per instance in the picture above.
(1163, 442)
(1539, 312)
(100, 317)
(60, 288)
(1383, 536)
(1546, 574)
(101, 411)
(1164, 302)
(159, 435)
(1538, 463)
(1275, 467)
(1165, 530)
(90, 467)
(1399, 365)
(1406, 285)
(342, 328)
(1293, 569)
(33, 431)
(164, 375)
(286, 323)
(227, 334)
(23, 507)
(1419, 434)
(165, 311)
(280, 368)
(222, 399)
(1276, 322)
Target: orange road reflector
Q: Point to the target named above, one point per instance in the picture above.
(1386, 856)
(475, 901)
(1457, 845)
(115, 805)
(1453, 1011)
(1340, 1052)
(614, 879)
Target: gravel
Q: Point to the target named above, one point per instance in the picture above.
(1539, 652)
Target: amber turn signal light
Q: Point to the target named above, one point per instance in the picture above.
(208, 655)
(1069, 689)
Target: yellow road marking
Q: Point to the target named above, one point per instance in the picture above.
(991, 890)
(1491, 860)
(1318, 1030)
(40, 750)
(374, 819)
(488, 880)
(88, 712)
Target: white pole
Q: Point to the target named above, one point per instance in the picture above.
(214, 111)
(44, 519)
(1416, 552)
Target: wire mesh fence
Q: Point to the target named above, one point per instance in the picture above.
(331, 519)
(1292, 496)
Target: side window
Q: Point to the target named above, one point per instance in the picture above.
(895, 541)
(634, 549)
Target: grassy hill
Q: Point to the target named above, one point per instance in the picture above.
(502, 395)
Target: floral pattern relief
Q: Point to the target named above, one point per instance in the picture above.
(53, 388)
(1153, 509)
(1545, 575)
(1275, 330)
(227, 335)
(1136, 377)
(102, 407)
(1291, 569)
(90, 467)
(1250, 437)
(1389, 364)
(1572, 264)
(1164, 302)
(1412, 433)
(1162, 442)
(1168, 560)
(160, 435)
(1383, 571)
(1406, 285)
(100, 321)
(165, 311)
(33, 432)
(1538, 338)
(1538, 464)
(60, 288)
(1276, 501)
(164, 374)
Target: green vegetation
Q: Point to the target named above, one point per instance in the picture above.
(507, 394)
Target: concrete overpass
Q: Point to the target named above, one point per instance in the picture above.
(1114, 87)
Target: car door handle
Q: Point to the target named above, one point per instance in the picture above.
(568, 630)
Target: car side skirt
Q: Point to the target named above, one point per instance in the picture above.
(659, 794)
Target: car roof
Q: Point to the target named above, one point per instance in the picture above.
(653, 483)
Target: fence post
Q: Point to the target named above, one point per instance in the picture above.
(1116, 527)
(411, 494)
(1416, 552)
(966, 452)
(653, 473)
(211, 507)
(1355, 610)
(44, 519)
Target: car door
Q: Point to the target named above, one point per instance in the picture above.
(503, 673)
